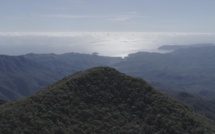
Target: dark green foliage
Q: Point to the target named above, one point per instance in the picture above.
(100, 100)
(187, 69)
(2, 102)
(202, 106)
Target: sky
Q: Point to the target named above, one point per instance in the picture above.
(108, 27)
(107, 15)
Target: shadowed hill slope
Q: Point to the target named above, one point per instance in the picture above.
(190, 69)
(21, 77)
(70, 63)
(100, 100)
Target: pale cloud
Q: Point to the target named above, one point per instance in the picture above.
(67, 16)
(125, 16)
(63, 5)
(107, 15)
(120, 18)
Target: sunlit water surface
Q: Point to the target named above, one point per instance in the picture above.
(104, 43)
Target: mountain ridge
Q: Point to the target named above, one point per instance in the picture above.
(176, 47)
(100, 100)
(184, 70)
(20, 77)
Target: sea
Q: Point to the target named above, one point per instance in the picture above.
(114, 44)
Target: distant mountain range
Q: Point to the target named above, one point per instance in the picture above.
(187, 70)
(100, 100)
(190, 69)
(21, 77)
(24, 75)
(175, 47)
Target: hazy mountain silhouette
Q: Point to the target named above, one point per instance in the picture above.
(188, 70)
(176, 47)
(24, 75)
(21, 77)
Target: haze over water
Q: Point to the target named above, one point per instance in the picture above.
(104, 43)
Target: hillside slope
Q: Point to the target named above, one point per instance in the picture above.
(21, 77)
(100, 100)
(69, 63)
(188, 69)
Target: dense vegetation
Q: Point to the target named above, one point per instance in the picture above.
(100, 100)
(203, 106)
(185, 69)
(2, 102)
(188, 69)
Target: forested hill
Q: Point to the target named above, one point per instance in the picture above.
(100, 100)
(186, 69)
(189, 70)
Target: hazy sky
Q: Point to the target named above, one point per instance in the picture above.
(107, 15)
(109, 27)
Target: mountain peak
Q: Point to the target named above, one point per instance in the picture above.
(100, 100)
